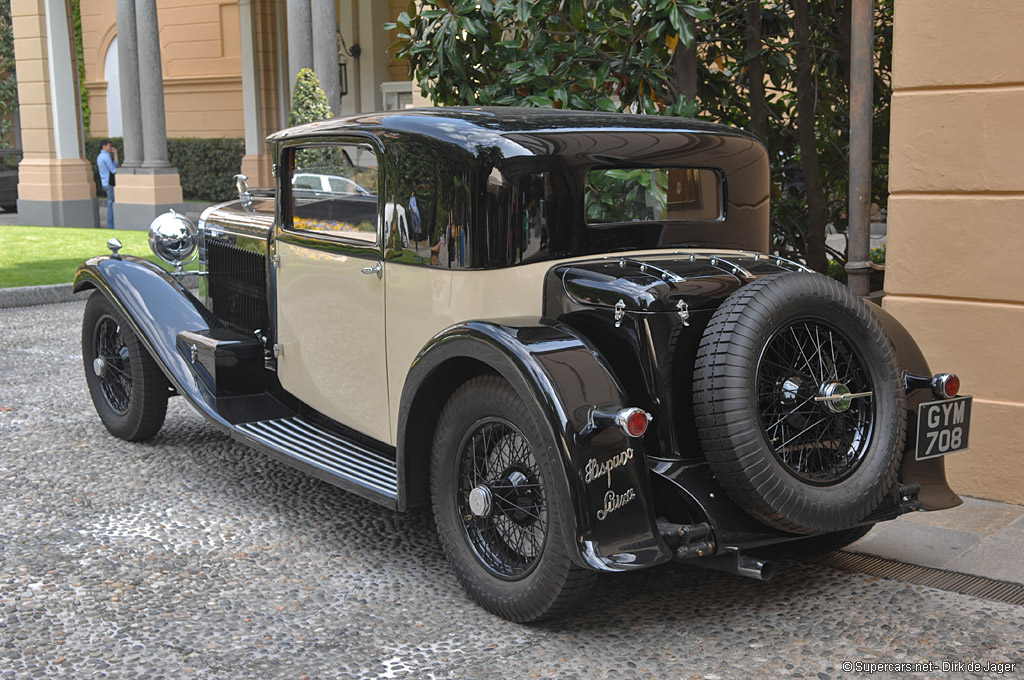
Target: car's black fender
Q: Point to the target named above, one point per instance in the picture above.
(930, 474)
(562, 379)
(157, 307)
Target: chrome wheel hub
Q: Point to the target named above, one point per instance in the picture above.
(99, 367)
(481, 501)
(836, 397)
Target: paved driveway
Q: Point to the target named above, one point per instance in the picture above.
(192, 556)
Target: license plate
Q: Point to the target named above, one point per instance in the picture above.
(943, 427)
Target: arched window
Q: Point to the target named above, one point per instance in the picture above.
(110, 73)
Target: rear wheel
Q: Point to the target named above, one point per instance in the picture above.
(127, 387)
(497, 505)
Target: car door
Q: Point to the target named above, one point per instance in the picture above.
(330, 285)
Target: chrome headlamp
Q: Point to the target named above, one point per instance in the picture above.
(174, 239)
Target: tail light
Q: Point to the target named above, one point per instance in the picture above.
(633, 421)
(946, 385)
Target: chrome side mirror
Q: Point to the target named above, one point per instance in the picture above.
(174, 239)
(244, 195)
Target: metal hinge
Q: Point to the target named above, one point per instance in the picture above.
(273, 170)
(276, 261)
(278, 349)
(684, 312)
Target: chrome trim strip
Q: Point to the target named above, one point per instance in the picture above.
(648, 268)
(736, 268)
(799, 267)
(302, 440)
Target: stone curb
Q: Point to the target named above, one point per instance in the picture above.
(27, 296)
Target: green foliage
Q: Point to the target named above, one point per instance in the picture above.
(8, 79)
(575, 54)
(623, 195)
(878, 254)
(309, 103)
(724, 97)
(611, 55)
(76, 13)
(207, 165)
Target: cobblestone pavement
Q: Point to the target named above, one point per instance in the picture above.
(191, 556)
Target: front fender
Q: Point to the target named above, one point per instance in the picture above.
(561, 378)
(157, 307)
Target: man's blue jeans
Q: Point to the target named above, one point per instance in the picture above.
(110, 206)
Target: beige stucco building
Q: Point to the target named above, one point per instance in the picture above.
(226, 69)
(957, 192)
(955, 218)
(201, 50)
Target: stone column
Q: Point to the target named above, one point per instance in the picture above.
(325, 50)
(284, 89)
(349, 31)
(300, 41)
(55, 185)
(373, 62)
(255, 163)
(151, 86)
(128, 67)
(154, 186)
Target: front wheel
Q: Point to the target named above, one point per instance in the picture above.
(127, 387)
(497, 505)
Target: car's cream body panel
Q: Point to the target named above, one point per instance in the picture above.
(423, 301)
(331, 337)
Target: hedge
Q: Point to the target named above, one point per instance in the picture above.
(207, 165)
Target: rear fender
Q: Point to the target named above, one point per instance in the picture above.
(930, 474)
(157, 307)
(561, 378)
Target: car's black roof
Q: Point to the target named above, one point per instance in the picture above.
(472, 127)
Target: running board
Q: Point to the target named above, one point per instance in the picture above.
(334, 457)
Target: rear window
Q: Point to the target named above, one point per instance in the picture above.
(617, 195)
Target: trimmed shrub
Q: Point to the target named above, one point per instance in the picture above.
(309, 104)
(207, 165)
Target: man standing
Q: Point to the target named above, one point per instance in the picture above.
(106, 161)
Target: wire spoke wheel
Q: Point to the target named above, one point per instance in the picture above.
(128, 388)
(817, 439)
(799, 403)
(494, 487)
(508, 531)
(115, 365)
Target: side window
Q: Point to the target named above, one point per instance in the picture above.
(334, 190)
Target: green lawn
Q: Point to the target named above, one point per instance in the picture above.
(34, 256)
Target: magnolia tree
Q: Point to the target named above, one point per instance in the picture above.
(577, 54)
(771, 66)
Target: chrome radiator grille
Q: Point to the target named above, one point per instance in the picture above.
(237, 286)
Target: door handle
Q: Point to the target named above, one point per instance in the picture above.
(377, 269)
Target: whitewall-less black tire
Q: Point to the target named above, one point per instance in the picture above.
(497, 507)
(127, 387)
(771, 377)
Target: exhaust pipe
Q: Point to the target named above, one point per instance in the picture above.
(735, 563)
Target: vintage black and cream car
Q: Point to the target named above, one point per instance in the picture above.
(563, 331)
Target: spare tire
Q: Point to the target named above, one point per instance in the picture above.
(799, 404)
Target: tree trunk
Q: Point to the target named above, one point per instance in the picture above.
(816, 212)
(755, 72)
(684, 66)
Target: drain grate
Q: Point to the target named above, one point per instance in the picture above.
(966, 584)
